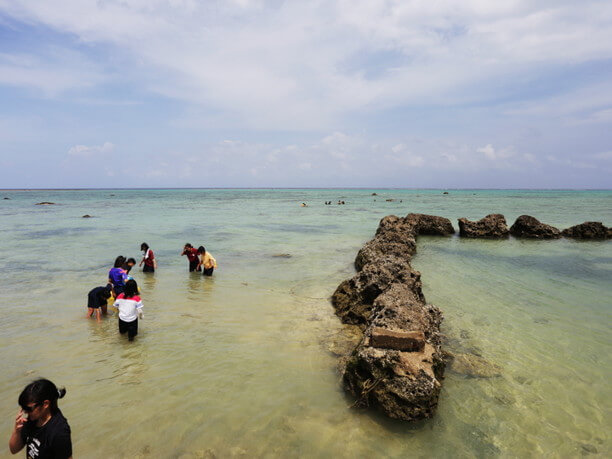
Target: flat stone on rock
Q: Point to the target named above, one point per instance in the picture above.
(412, 341)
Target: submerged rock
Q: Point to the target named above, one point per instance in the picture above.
(45, 203)
(474, 366)
(493, 226)
(282, 255)
(530, 227)
(588, 230)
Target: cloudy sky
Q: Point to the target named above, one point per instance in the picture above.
(256, 93)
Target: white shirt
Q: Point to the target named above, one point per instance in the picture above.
(128, 307)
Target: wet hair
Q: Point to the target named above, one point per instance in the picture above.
(144, 246)
(131, 289)
(40, 390)
(130, 260)
(201, 249)
(119, 261)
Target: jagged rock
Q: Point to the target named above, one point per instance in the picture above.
(45, 203)
(474, 366)
(403, 385)
(530, 227)
(431, 224)
(492, 226)
(353, 299)
(588, 230)
(385, 299)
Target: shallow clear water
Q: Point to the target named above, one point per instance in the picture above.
(238, 364)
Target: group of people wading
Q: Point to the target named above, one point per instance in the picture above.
(40, 426)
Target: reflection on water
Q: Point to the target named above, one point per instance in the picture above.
(244, 363)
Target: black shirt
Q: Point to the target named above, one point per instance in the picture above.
(95, 299)
(51, 441)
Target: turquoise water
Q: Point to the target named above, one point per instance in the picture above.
(237, 365)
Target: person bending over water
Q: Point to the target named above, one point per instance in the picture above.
(192, 255)
(150, 263)
(130, 308)
(117, 276)
(97, 299)
(207, 262)
(40, 426)
(128, 265)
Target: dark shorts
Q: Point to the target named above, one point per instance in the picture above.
(148, 269)
(208, 272)
(193, 265)
(130, 327)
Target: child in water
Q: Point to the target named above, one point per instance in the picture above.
(207, 262)
(97, 300)
(130, 309)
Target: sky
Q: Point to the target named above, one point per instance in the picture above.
(256, 93)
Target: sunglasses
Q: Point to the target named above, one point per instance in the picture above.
(29, 409)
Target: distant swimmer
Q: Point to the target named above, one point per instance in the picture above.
(97, 300)
(150, 263)
(192, 256)
(129, 305)
(117, 276)
(207, 261)
(40, 426)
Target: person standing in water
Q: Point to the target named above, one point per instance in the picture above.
(117, 276)
(207, 262)
(150, 263)
(40, 426)
(130, 309)
(192, 255)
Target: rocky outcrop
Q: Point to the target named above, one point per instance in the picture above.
(588, 230)
(493, 226)
(530, 227)
(398, 366)
(45, 203)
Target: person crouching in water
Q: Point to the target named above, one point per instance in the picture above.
(207, 262)
(192, 256)
(130, 308)
(40, 426)
(97, 299)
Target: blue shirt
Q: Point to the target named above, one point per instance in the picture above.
(117, 277)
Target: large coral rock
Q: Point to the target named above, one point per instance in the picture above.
(530, 227)
(403, 385)
(397, 367)
(492, 226)
(588, 230)
(431, 224)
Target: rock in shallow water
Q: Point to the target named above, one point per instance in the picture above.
(588, 230)
(493, 226)
(530, 227)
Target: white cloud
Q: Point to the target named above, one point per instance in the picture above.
(491, 153)
(93, 150)
(305, 65)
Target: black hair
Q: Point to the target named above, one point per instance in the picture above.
(119, 261)
(106, 293)
(130, 260)
(201, 249)
(131, 289)
(144, 246)
(188, 245)
(40, 390)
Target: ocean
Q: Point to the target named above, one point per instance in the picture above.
(239, 365)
